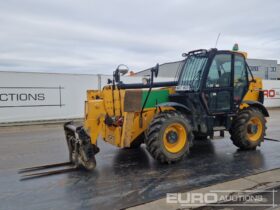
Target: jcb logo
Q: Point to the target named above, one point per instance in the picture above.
(269, 93)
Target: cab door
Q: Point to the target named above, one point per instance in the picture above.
(218, 88)
(241, 81)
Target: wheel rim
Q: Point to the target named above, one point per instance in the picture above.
(175, 137)
(254, 129)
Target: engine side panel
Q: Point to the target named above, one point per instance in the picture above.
(115, 114)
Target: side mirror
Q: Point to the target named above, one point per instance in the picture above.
(120, 71)
(123, 71)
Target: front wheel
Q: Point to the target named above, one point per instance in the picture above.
(248, 129)
(169, 136)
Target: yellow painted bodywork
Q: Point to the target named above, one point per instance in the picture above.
(253, 92)
(111, 102)
(101, 103)
(254, 87)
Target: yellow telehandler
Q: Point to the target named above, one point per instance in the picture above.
(215, 91)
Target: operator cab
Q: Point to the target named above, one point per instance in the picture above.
(219, 78)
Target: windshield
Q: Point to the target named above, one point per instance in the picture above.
(192, 72)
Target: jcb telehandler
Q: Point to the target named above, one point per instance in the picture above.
(215, 91)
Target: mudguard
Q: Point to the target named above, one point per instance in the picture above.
(176, 105)
(258, 105)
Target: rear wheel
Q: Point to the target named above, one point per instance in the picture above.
(248, 129)
(169, 136)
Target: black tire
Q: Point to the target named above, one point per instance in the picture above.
(240, 129)
(155, 136)
(200, 137)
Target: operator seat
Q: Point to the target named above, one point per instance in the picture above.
(224, 80)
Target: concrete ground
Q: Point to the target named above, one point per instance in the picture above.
(125, 178)
(267, 183)
(263, 182)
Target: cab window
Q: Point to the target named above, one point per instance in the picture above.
(220, 72)
(240, 78)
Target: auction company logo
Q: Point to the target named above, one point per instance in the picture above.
(271, 93)
(22, 97)
(30, 96)
(220, 198)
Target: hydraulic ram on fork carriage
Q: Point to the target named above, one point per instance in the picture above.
(81, 151)
(81, 154)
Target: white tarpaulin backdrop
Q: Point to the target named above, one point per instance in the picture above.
(43, 96)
